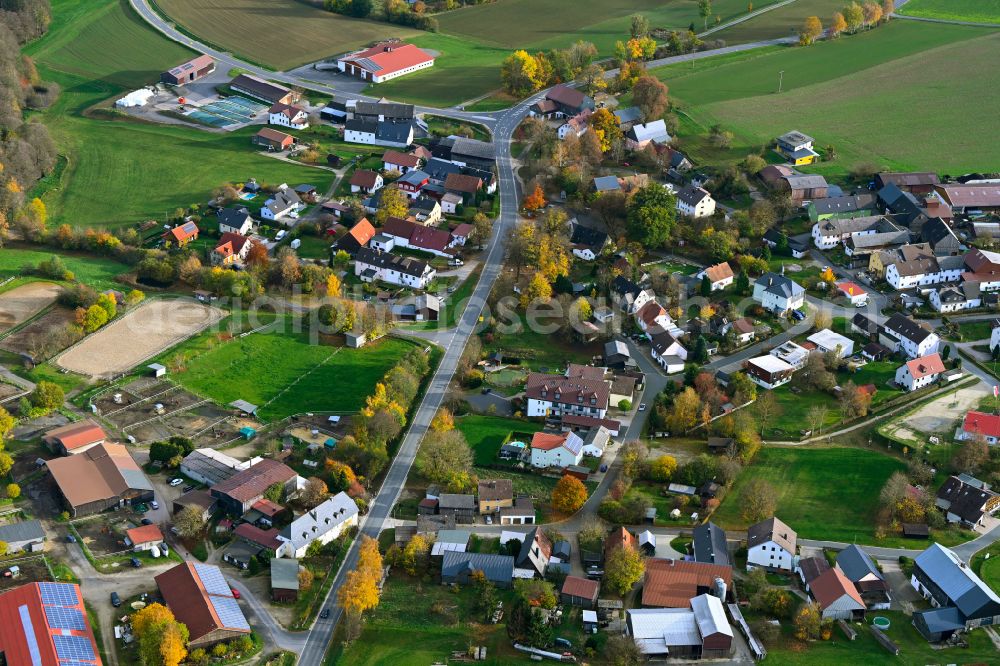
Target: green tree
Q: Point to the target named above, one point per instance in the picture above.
(640, 26)
(519, 73)
(706, 286)
(623, 569)
(704, 11)
(275, 492)
(651, 215)
(47, 396)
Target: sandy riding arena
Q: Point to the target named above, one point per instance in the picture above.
(152, 327)
(24, 302)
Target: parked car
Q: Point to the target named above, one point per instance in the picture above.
(236, 593)
(325, 613)
(642, 407)
(281, 234)
(154, 504)
(456, 262)
(146, 521)
(116, 601)
(70, 538)
(798, 315)
(604, 467)
(176, 482)
(136, 562)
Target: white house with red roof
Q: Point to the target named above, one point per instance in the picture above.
(855, 294)
(920, 372)
(385, 61)
(720, 275)
(980, 424)
(288, 115)
(556, 449)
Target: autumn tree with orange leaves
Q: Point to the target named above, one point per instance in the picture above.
(535, 200)
(360, 592)
(569, 495)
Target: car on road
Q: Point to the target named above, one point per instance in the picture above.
(236, 593)
(146, 521)
(70, 538)
(325, 613)
(116, 601)
(135, 562)
(604, 467)
(642, 407)
(176, 482)
(154, 504)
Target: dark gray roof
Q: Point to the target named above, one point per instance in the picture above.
(361, 125)
(629, 114)
(498, 568)
(964, 500)
(856, 564)
(692, 195)
(624, 286)
(903, 326)
(709, 542)
(28, 530)
(586, 236)
(453, 501)
(805, 181)
(407, 265)
(259, 87)
(937, 232)
(957, 582)
(472, 148)
(939, 620)
(390, 130)
(780, 285)
(387, 109)
(439, 169)
(233, 217)
(847, 204)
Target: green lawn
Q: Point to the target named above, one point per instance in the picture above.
(829, 493)
(543, 352)
(119, 172)
(781, 22)
(847, 93)
(979, 11)
(98, 272)
(485, 434)
(260, 367)
(988, 569)
(975, 330)
(865, 650)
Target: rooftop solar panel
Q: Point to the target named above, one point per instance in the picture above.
(74, 648)
(229, 612)
(65, 618)
(211, 577)
(29, 635)
(58, 594)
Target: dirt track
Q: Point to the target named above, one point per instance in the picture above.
(21, 303)
(140, 334)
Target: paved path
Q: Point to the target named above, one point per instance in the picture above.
(754, 14)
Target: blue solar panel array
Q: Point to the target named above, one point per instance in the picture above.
(229, 613)
(74, 649)
(65, 618)
(58, 594)
(212, 579)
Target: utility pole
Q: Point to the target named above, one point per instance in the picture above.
(781, 76)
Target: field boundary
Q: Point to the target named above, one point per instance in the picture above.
(301, 377)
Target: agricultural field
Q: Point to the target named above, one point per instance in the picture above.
(284, 374)
(259, 29)
(120, 173)
(863, 81)
(97, 272)
(23, 302)
(140, 334)
(978, 11)
(780, 22)
(810, 483)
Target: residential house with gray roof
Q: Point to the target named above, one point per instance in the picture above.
(459, 567)
(961, 600)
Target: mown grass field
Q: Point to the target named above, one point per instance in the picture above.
(98, 272)
(485, 434)
(849, 93)
(828, 493)
(980, 11)
(290, 373)
(780, 22)
(277, 33)
(121, 172)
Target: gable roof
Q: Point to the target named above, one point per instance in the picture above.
(365, 178)
(966, 500)
(569, 390)
(982, 423)
(719, 272)
(813, 567)
(492, 490)
(407, 265)
(384, 109)
(201, 599)
(772, 529)
(655, 130)
(497, 568)
(925, 366)
(673, 583)
(620, 537)
(710, 616)
(319, 520)
(566, 96)
(389, 57)
(46, 624)
(401, 159)
(284, 574)
(856, 564)
(231, 243)
(587, 236)
(258, 87)
(779, 285)
(832, 585)
(264, 538)
(252, 482)
(100, 473)
(846, 204)
(464, 183)
(904, 327)
(629, 114)
(956, 580)
(74, 435)
(692, 196)
(289, 111)
(584, 588)
(182, 232)
(548, 441)
(362, 232)
(144, 534)
(709, 544)
(274, 135)
(233, 217)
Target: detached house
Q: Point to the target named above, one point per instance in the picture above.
(355, 239)
(836, 596)
(796, 147)
(181, 235)
(629, 296)
(961, 600)
(495, 494)
(720, 275)
(777, 293)
(234, 220)
(396, 134)
(641, 135)
(771, 544)
(322, 524)
(695, 202)
(231, 249)
(366, 181)
(288, 115)
(920, 372)
(556, 449)
(283, 203)
(371, 265)
(586, 242)
(902, 334)
(980, 424)
(668, 352)
(966, 500)
(393, 160)
(769, 371)
(859, 568)
(565, 102)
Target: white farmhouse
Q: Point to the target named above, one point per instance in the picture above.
(777, 293)
(900, 333)
(695, 202)
(322, 524)
(771, 546)
(288, 115)
(919, 372)
(556, 449)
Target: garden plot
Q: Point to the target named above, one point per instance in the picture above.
(154, 326)
(163, 404)
(22, 303)
(937, 416)
(103, 535)
(44, 337)
(33, 570)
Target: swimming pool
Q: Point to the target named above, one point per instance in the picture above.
(227, 111)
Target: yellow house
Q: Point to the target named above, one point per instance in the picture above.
(495, 494)
(796, 147)
(878, 261)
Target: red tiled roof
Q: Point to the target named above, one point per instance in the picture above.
(429, 238)
(719, 272)
(362, 232)
(251, 483)
(673, 583)
(231, 243)
(388, 57)
(186, 596)
(981, 423)
(584, 588)
(568, 390)
(264, 538)
(461, 182)
(182, 232)
(649, 312)
(267, 507)
(925, 365)
(275, 135)
(869, 389)
(400, 159)
(850, 288)
(831, 585)
(364, 178)
(463, 230)
(287, 110)
(25, 601)
(75, 435)
(546, 441)
(144, 534)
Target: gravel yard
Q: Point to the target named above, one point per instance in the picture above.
(22, 303)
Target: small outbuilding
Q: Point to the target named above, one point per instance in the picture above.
(284, 580)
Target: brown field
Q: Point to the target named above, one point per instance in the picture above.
(146, 331)
(43, 338)
(278, 33)
(22, 303)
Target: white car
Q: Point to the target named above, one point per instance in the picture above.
(154, 504)
(176, 482)
(642, 407)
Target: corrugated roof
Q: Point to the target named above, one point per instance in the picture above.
(103, 472)
(284, 574)
(710, 616)
(673, 583)
(251, 483)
